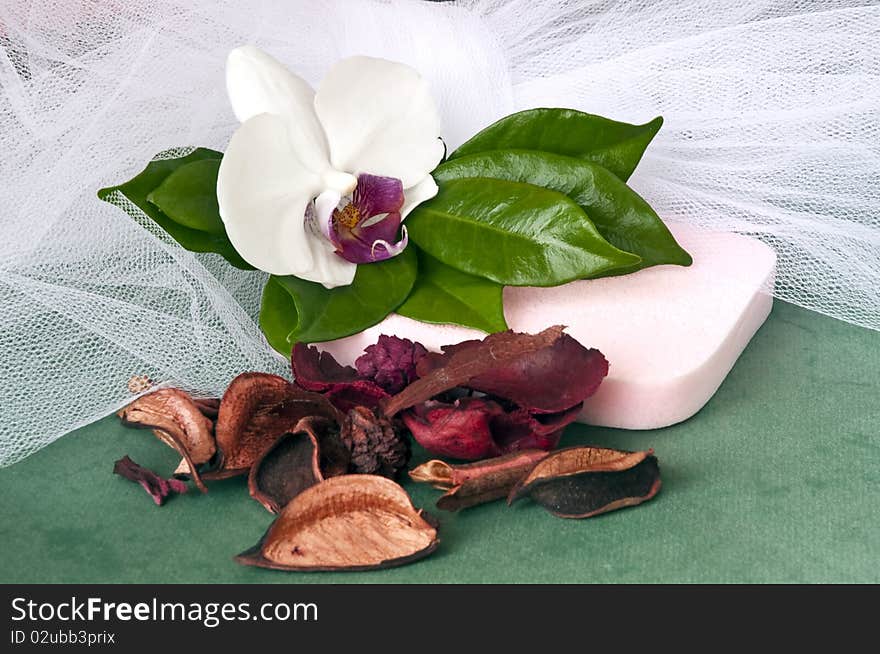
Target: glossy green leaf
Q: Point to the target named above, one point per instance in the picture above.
(616, 146)
(444, 295)
(189, 196)
(312, 313)
(512, 233)
(619, 213)
(278, 316)
(157, 171)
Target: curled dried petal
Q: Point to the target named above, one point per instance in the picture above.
(548, 379)
(176, 420)
(474, 428)
(285, 470)
(158, 488)
(475, 483)
(255, 411)
(535, 371)
(581, 482)
(318, 371)
(351, 522)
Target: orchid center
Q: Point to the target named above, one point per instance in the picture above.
(363, 227)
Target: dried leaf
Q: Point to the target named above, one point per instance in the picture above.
(255, 411)
(158, 488)
(352, 522)
(470, 484)
(440, 373)
(286, 469)
(176, 420)
(549, 379)
(581, 482)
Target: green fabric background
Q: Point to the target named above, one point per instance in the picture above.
(777, 479)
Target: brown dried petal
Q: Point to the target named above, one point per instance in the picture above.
(476, 483)
(285, 470)
(580, 482)
(176, 420)
(352, 522)
(255, 411)
(209, 406)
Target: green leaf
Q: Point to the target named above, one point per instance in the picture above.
(189, 196)
(444, 295)
(278, 315)
(512, 233)
(312, 313)
(613, 145)
(157, 171)
(619, 213)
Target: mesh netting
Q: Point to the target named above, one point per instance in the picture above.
(771, 130)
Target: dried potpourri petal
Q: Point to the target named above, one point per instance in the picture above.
(255, 411)
(158, 488)
(209, 406)
(377, 446)
(391, 362)
(474, 428)
(548, 372)
(285, 470)
(475, 483)
(442, 372)
(580, 482)
(176, 420)
(351, 522)
(535, 386)
(548, 379)
(359, 393)
(319, 372)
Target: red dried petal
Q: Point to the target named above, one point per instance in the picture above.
(541, 372)
(318, 371)
(461, 430)
(546, 380)
(360, 393)
(475, 428)
(157, 487)
(520, 430)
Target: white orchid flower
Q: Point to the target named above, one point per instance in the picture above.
(314, 183)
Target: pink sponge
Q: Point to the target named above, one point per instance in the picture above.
(671, 334)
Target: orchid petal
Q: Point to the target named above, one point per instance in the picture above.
(379, 118)
(367, 243)
(328, 268)
(257, 83)
(376, 195)
(324, 206)
(264, 189)
(391, 249)
(415, 195)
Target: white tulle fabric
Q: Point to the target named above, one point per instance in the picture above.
(771, 130)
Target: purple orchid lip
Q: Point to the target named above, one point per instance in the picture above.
(365, 230)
